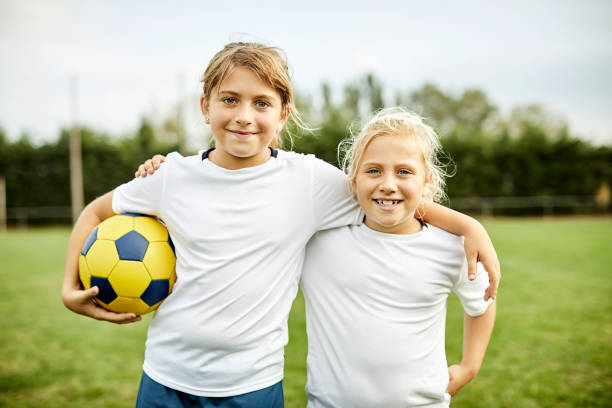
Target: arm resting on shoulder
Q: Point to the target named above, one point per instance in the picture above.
(150, 165)
(478, 245)
(74, 297)
(476, 334)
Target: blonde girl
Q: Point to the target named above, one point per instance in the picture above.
(240, 216)
(376, 292)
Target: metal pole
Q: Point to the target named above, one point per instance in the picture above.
(2, 204)
(76, 165)
(180, 131)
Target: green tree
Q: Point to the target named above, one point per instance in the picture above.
(374, 92)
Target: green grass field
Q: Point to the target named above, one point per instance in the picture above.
(551, 347)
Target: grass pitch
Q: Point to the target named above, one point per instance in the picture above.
(550, 347)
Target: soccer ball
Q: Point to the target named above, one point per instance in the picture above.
(131, 259)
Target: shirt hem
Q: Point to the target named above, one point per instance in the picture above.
(201, 392)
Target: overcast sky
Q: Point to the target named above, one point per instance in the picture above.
(134, 58)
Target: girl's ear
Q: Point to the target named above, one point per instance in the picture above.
(285, 115)
(428, 183)
(283, 119)
(204, 108)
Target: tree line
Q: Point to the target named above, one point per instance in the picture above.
(528, 152)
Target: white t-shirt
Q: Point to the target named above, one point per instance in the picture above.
(240, 237)
(376, 313)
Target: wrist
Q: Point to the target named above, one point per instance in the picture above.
(69, 287)
(470, 370)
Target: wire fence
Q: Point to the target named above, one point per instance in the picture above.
(529, 205)
(21, 217)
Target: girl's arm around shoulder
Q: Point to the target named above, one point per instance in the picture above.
(74, 297)
(478, 245)
(476, 335)
(150, 165)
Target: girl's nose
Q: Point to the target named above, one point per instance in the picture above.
(244, 115)
(388, 185)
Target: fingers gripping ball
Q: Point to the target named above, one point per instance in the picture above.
(131, 259)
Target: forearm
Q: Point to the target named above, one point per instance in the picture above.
(97, 211)
(476, 335)
(477, 244)
(447, 219)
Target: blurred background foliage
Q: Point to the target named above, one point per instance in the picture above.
(528, 152)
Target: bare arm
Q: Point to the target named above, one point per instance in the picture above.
(478, 245)
(74, 297)
(476, 334)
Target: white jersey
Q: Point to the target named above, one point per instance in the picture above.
(376, 313)
(240, 237)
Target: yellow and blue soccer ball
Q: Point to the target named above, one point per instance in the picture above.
(131, 259)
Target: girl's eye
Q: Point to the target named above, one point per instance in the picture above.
(373, 171)
(262, 104)
(229, 100)
(404, 172)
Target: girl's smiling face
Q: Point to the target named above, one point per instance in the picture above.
(244, 114)
(390, 182)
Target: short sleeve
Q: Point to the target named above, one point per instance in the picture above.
(471, 293)
(142, 195)
(334, 205)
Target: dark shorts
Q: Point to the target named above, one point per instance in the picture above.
(152, 394)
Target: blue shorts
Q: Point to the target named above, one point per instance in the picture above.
(152, 394)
